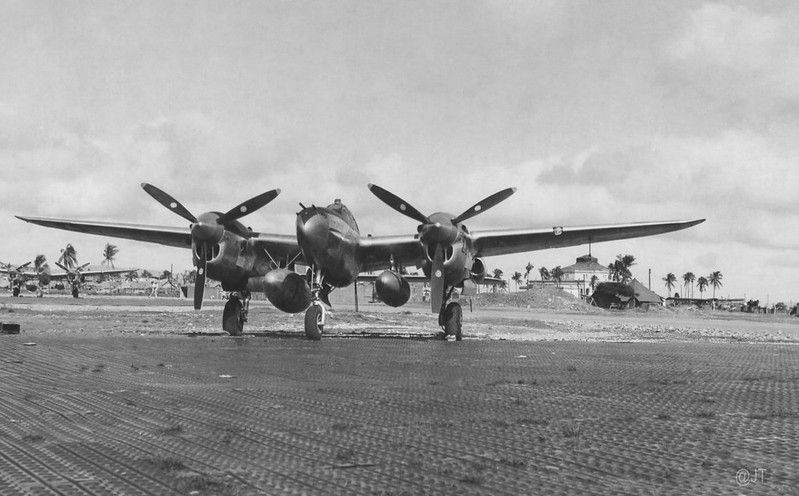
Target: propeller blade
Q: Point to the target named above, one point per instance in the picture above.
(437, 280)
(249, 206)
(166, 200)
(397, 203)
(82, 267)
(484, 205)
(62, 267)
(199, 283)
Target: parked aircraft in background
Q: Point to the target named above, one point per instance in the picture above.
(35, 280)
(329, 243)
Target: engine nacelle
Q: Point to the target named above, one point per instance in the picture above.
(286, 290)
(478, 270)
(392, 289)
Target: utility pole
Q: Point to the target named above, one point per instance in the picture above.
(356, 294)
(650, 278)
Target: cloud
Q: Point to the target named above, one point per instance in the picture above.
(742, 182)
(745, 61)
(730, 36)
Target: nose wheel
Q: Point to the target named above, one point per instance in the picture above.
(314, 321)
(315, 315)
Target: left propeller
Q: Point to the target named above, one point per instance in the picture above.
(208, 228)
(18, 269)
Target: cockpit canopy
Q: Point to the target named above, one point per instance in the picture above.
(342, 211)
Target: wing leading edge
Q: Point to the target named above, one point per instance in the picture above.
(169, 236)
(505, 242)
(279, 245)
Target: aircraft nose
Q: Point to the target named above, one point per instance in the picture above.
(312, 226)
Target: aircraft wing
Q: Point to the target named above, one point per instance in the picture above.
(375, 252)
(170, 236)
(279, 246)
(508, 241)
(89, 273)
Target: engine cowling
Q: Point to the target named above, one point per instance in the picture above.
(478, 270)
(392, 289)
(286, 290)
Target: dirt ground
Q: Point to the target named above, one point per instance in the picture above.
(104, 315)
(146, 396)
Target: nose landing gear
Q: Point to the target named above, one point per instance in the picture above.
(314, 321)
(315, 315)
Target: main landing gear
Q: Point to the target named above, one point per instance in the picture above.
(315, 321)
(315, 315)
(235, 314)
(450, 318)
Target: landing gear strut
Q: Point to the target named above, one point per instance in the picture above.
(235, 314)
(315, 315)
(450, 318)
(75, 291)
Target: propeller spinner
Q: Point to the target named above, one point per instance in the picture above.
(439, 230)
(208, 228)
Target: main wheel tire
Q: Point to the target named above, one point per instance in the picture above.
(453, 316)
(15, 291)
(74, 292)
(313, 323)
(232, 320)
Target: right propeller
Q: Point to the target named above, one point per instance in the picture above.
(208, 228)
(439, 230)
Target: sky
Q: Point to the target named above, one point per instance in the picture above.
(599, 112)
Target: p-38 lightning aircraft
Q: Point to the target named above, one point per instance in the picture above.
(329, 243)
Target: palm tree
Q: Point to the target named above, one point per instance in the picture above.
(689, 278)
(109, 252)
(497, 275)
(670, 280)
(594, 280)
(131, 276)
(527, 269)
(702, 284)
(517, 278)
(69, 257)
(557, 275)
(544, 273)
(620, 268)
(715, 280)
